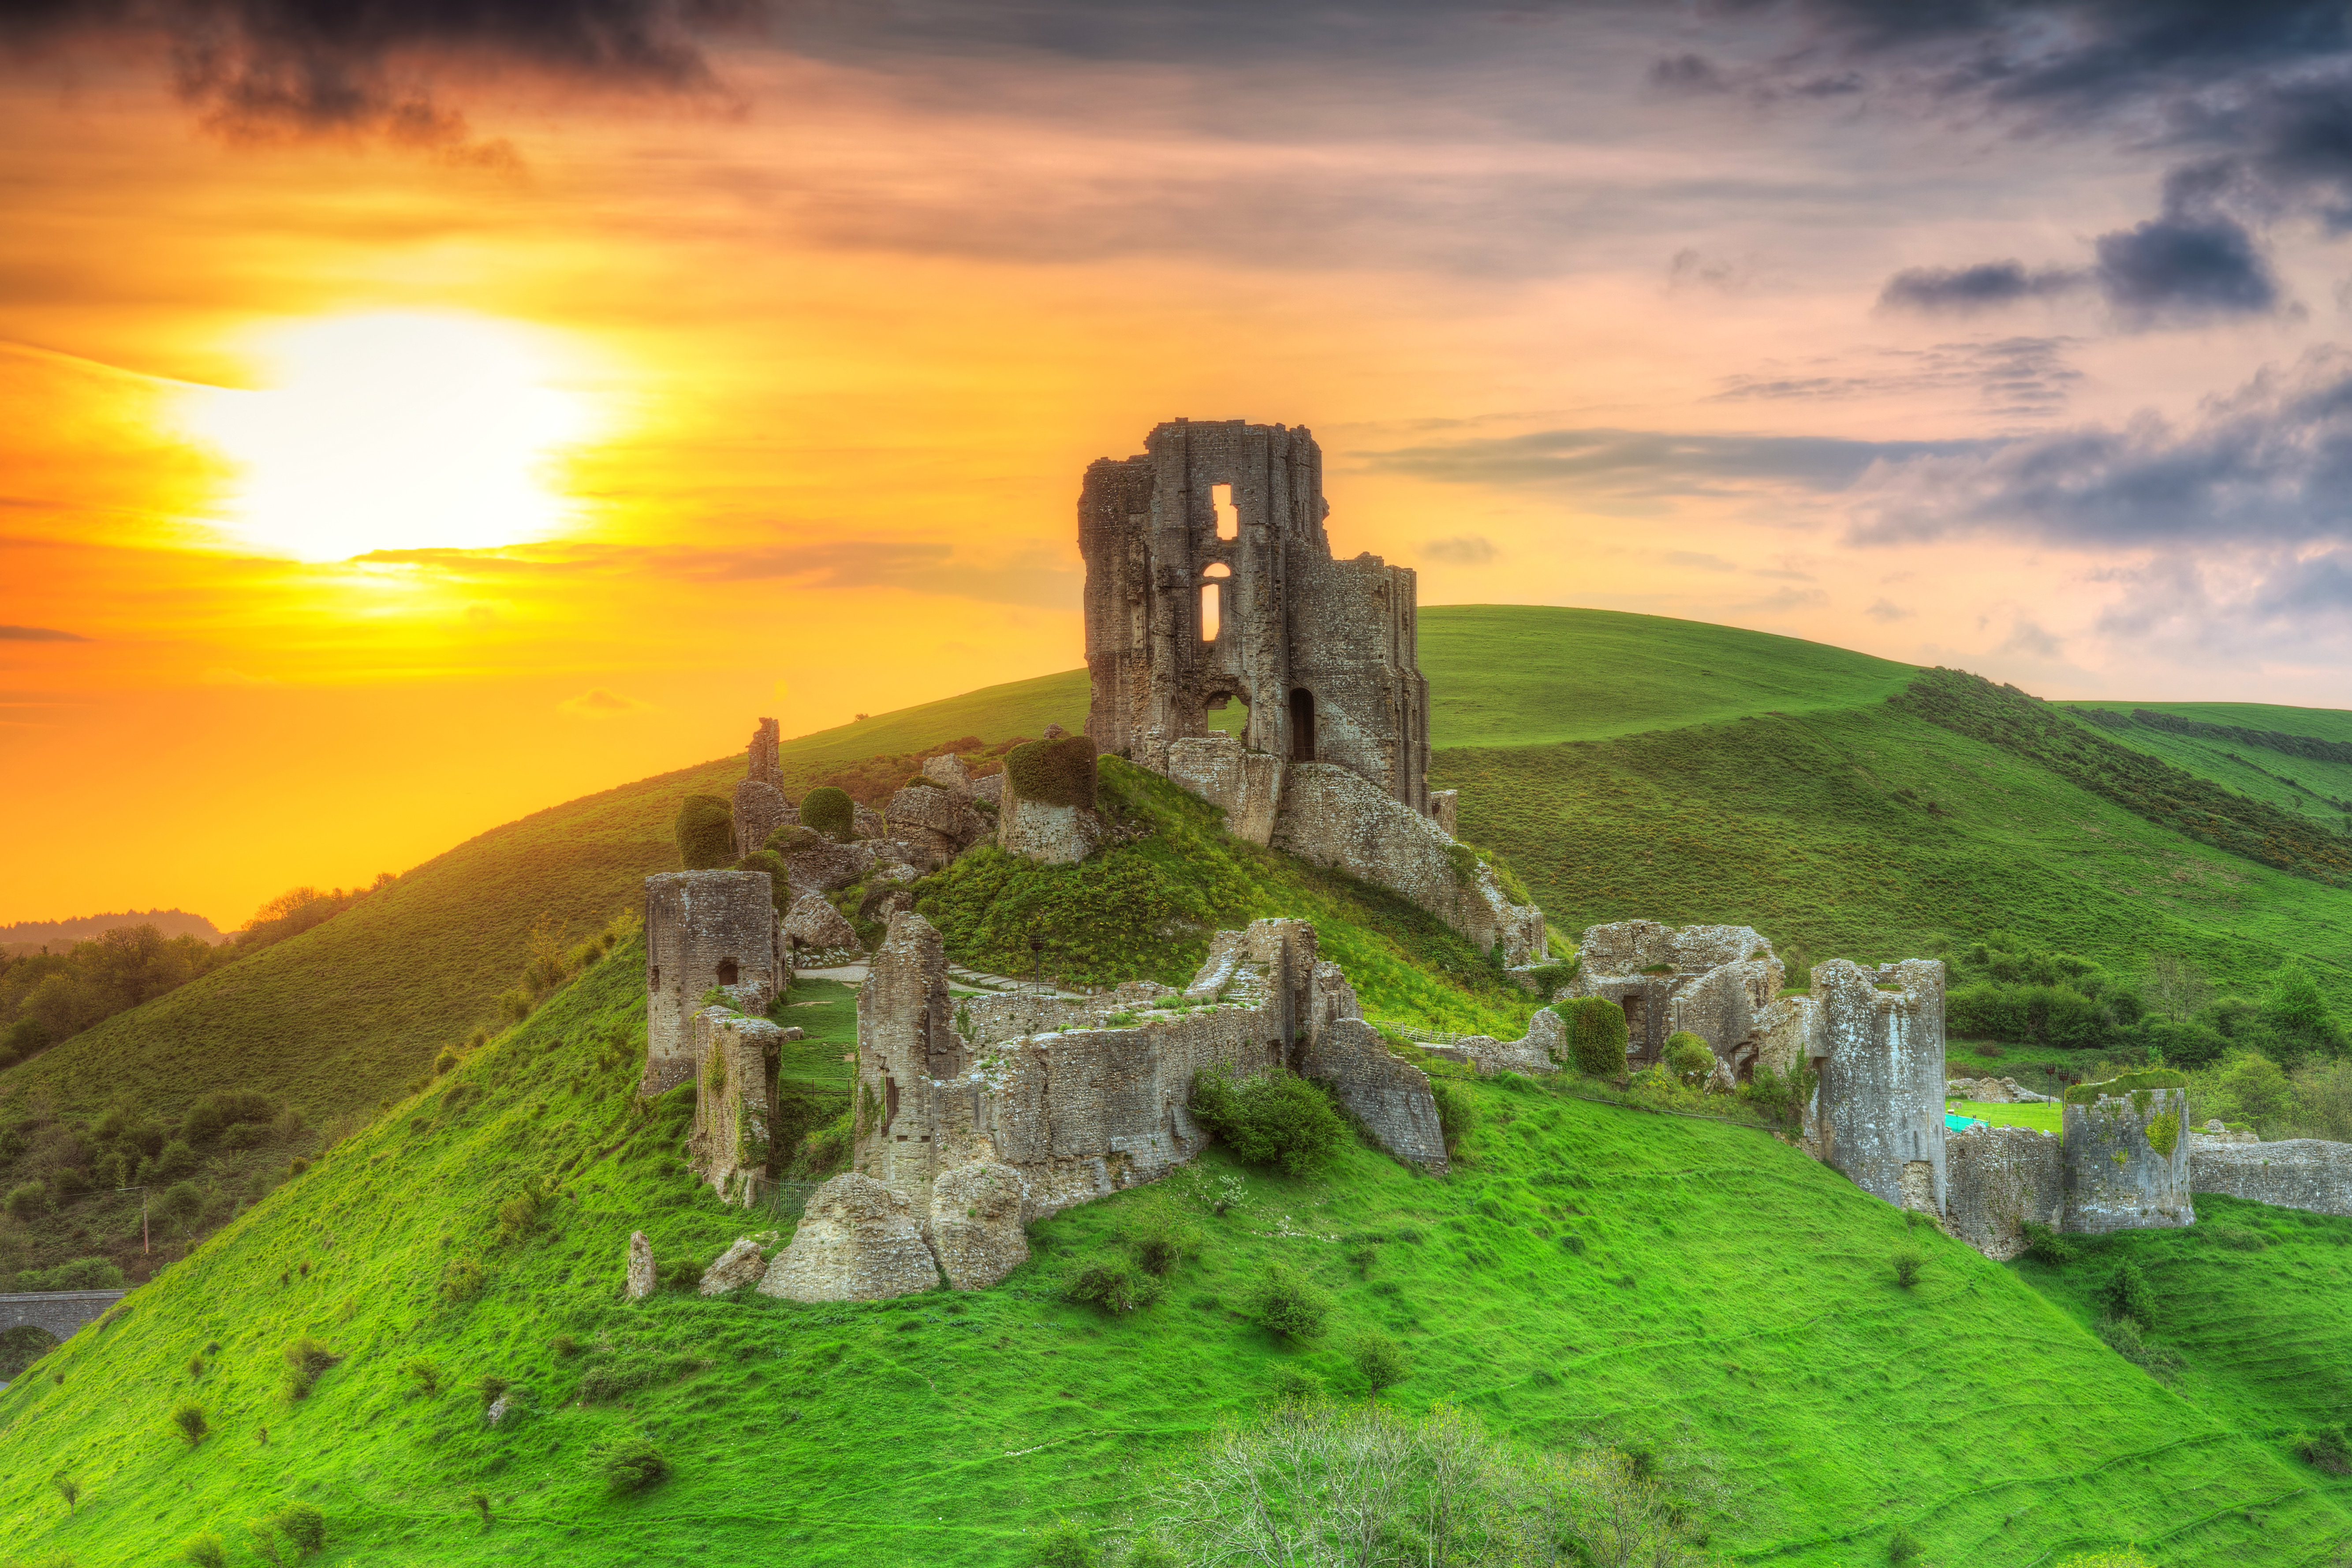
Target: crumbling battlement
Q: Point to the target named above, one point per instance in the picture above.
(1998, 1180)
(1716, 982)
(2127, 1160)
(2294, 1172)
(1228, 514)
(761, 805)
(705, 930)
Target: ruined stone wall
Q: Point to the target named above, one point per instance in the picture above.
(1389, 1097)
(1247, 785)
(1647, 1000)
(1996, 1179)
(761, 805)
(1724, 1006)
(1290, 619)
(2118, 1178)
(699, 926)
(1878, 1111)
(1331, 816)
(2293, 1173)
(733, 1143)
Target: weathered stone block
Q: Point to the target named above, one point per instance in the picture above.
(1879, 1048)
(760, 808)
(704, 929)
(1996, 1180)
(1247, 785)
(2128, 1161)
(739, 1266)
(815, 923)
(1057, 834)
(642, 1279)
(867, 822)
(949, 771)
(1445, 810)
(2292, 1173)
(856, 1241)
(977, 1232)
(1540, 1050)
(1391, 1097)
(817, 865)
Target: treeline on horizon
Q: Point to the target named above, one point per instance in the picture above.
(45, 997)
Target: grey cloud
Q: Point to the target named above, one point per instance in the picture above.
(1466, 550)
(1977, 288)
(1655, 462)
(2016, 375)
(1688, 73)
(38, 633)
(2028, 638)
(2184, 266)
(1887, 612)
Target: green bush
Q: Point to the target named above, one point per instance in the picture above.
(1054, 772)
(183, 1202)
(1284, 1303)
(491, 1387)
(304, 1527)
(632, 1465)
(2123, 1336)
(831, 812)
(2127, 1294)
(1273, 1118)
(1380, 1361)
(2328, 1449)
(214, 1114)
(190, 1419)
(1113, 1282)
(1908, 1264)
(176, 1161)
(24, 1037)
(2044, 1245)
(520, 1214)
(1902, 1547)
(461, 1279)
(424, 1374)
(1596, 1034)
(1457, 1113)
(779, 875)
(28, 1201)
(1065, 1544)
(1161, 1237)
(74, 1274)
(705, 830)
(1688, 1058)
(205, 1550)
(1547, 978)
(306, 1361)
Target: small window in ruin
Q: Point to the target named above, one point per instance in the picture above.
(653, 981)
(1217, 569)
(730, 972)
(1209, 612)
(1302, 726)
(1229, 516)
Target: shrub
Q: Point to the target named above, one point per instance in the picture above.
(205, 1552)
(304, 1527)
(1296, 1384)
(2329, 1449)
(306, 1360)
(1457, 1113)
(423, 1375)
(1688, 1058)
(1114, 1283)
(75, 1274)
(24, 1037)
(492, 1387)
(1902, 1547)
(176, 1161)
(190, 1419)
(1908, 1264)
(28, 1201)
(213, 1114)
(461, 1279)
(1065, 1544)
(1380, 1360)
(632, 1465)
(1596, 1034)
(183, 1202)
(520, 1214)
(705, 830)
(1271, 1119)
(2123, 1336)
(2044, 1245)
(1287, 1305)
(1162, 1238)
(1054, 772)
(831, 812)
(2127, 1294)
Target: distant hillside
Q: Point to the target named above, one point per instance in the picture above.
(1587, 1271)
(36, 934)
(2298, 758)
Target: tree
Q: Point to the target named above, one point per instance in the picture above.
(2296, 1009)
(2252, 1087)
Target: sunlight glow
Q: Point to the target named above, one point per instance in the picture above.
(396, 431)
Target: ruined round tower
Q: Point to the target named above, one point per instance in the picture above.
(2126, 1152)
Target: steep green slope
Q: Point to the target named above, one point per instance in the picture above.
(1590, 1269)
(2314, 786)
(1525, 675)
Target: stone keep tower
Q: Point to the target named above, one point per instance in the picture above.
(1322, 652)
(2126, 1155)
(1878, 1109)
(704, 929)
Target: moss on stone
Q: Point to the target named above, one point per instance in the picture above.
(705, 829)
(830, 811)
(1054, 772)
(2147, 1078)
(2164, 1133)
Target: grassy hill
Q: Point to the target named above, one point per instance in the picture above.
(2317, 788)
(1589, 1270)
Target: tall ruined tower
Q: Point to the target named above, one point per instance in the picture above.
(1220, 524)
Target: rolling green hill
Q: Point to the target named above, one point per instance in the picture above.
(1589, 1269)
(2317, 788)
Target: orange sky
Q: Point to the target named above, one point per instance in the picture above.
(388, 492)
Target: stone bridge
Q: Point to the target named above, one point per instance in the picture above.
(59, 1311)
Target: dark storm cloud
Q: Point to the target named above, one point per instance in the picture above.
(1986, 284)
(372, 66)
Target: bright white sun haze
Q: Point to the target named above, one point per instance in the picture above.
(396, 431)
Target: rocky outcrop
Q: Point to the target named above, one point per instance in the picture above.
(1391, 1097)
(2308, 1173)
(1336, 819)
(858, 1241)
(1246, 784)
(815, 923)
(937, 823)
(642, 1278)
(1056, 834)
(739, 1266)
(817, 865)
(976, 1230)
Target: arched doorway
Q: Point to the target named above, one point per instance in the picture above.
(1302, 725)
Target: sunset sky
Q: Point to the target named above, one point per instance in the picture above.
(412, 415)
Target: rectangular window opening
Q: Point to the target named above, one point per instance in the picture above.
(1229, 517)
(1209, 612)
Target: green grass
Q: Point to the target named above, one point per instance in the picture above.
(2041, 1118)
(2310, 786)
(1587, 1271)
(1527, 674)
(2319, 723)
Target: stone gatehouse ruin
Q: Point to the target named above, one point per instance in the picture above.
(706, 930)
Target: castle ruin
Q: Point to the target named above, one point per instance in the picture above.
(705, 930)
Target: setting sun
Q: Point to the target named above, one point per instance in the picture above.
(396, 431)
